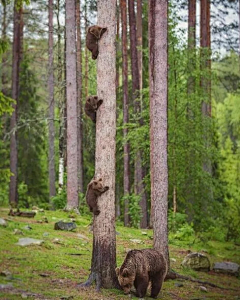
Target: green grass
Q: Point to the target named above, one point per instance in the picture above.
(52, 271)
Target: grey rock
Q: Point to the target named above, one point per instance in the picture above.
(82, 237)
(17, 231)
(203, 288)
(6, 286)
(3, 222)
(5, 273)
(46, 234)
(29, 241)
(27, 227)
(227, 268)
(197, 262)
(178, 284)
(65, 226)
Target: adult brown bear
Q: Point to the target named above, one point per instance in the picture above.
(141, 267)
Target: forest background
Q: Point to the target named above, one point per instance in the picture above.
(203, 146)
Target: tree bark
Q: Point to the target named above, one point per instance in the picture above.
(71, 83)
(86, 56)
(205, 43)
(13, 195)
(51, 129)
(139, 45)
(158, 60)
(4, 55)
(104, 235)
(79, 97)
(191, 44)
(138, 171)
(62, 105)
(126, 147)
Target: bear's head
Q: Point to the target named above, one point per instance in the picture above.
(126, 279)
(97, 185)
(97, 31)
(94, 102)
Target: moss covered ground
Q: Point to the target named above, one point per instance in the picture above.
(53, 270)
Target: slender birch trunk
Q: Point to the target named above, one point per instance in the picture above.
(51, 129)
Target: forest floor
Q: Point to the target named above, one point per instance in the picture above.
(53, 270)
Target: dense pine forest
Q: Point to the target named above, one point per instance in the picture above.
(166, 141)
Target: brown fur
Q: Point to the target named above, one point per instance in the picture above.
(91, 106)
(95, 189)
(94, 33)
(141, 267)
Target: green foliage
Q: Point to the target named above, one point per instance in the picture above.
(134, 209)
(32, 160)
(3, 46)
(228, 114)
(60, 200)
(5, 109)
(179, 227)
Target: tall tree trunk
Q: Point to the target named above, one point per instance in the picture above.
(79, 97)
(118, 45)
(139, 45)
(18, 15)
(126, 147)
(205, 43)
(71, 83)
(4, 55)
(191, 44)
(158, 60)
(51, 129)
(62, 105)
(138, 172)
(86, 56)
(104, 235)
(190, 123)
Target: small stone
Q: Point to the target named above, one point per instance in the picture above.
(46, 234)
(3, 222)
(136, 241)
(17, 231)
(178, 284)
(6, 286)
(29, 241)
(27, 227)
(144, 233)
(65, 226)
(24, 296)
(5, 273)
(57, 241)
(203, 289)
(41, 210)
(81, 236)
(173, 259)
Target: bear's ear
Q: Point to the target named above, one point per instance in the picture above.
(117, 270)
(102, 30)
(125, 272)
